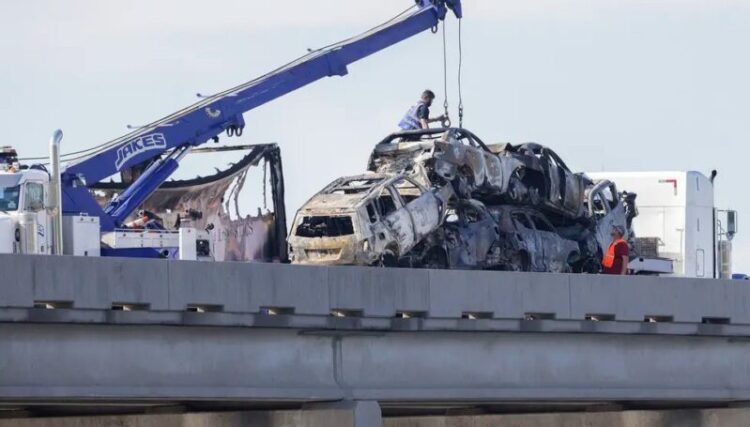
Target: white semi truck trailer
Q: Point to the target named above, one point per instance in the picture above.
(678, 220)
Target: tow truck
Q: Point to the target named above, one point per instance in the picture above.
(53, 211)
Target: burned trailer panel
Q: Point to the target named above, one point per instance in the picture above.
(213, 201)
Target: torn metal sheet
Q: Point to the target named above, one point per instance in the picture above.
(213, 200)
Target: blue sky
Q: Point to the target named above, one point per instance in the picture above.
(610, 85)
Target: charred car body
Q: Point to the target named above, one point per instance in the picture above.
(525, 174)
(503, 207)
(367, 219)
(505, 237)
(213, 202)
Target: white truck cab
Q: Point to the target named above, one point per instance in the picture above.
(24, 220)
(31, 219)
(676, 213)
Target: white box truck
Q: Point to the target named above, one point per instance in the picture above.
(676, 212)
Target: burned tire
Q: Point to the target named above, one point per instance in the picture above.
(574, 258)
(388, 259)
(588, 266)
(436, 260)
(520, 262)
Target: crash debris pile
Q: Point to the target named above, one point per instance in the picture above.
(442, 198)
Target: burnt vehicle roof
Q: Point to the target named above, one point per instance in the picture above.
(424, 138)
(430, 135)
(337, 196)
(537, 149)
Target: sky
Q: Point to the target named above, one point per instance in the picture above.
(624, 85)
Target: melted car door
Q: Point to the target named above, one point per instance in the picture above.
(554, 183)
(608, 211)
(531, 238)
(554, 258)
(398, 220)
(423, 207)
(567, 188)
(483, 231)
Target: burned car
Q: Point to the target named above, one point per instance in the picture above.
(504, 237)
(559, 190)
(500, 173)
(444, 156)
(368, 219)
(605, 208)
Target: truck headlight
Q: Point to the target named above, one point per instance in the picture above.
(366, 246)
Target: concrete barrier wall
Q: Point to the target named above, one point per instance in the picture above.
(158, 285)
(673, 418)
(321, 418)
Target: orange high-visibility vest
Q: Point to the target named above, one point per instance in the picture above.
(609, 258)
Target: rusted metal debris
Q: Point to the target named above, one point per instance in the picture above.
(213, 200)
(499, 206)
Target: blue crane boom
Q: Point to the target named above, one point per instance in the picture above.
(165, 141)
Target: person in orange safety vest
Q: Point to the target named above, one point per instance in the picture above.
(616, 259)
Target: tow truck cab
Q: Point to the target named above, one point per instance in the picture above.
(24, 220)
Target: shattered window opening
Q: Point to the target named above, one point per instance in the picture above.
(354, 186)
(325, 226)
(407, 189)
(472, 215)
(521, 219)
(371, 213)
(385, 203)
(609, 196)
(541, 224)
(600, 208)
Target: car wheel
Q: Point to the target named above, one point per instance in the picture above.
(519, 262)
(573, 261)
(588, 266)
(436, 260)
(388, 259)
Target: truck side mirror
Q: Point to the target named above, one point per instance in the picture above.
(731, 224)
